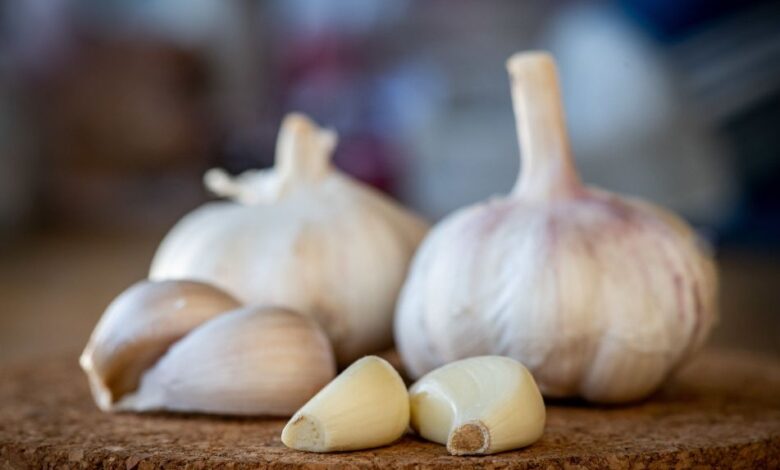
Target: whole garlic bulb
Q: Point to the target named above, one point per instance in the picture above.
(598, 295)
(304, 236)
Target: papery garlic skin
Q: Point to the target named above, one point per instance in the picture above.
(479, 405)
(304, 236)
(251, 361)
(139, 326)
(366, 406)
(598, 295)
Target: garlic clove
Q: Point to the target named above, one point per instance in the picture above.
(251, 361)
(301, 235)
(139, 326)
(480, 405)
(366, 406)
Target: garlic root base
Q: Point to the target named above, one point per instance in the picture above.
(305, 433)
(469, 439)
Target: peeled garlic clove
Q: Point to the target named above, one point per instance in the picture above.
(304, 236)
(599, 295)
(366, 406)
(251, 361)
(139, 326)
(480, 405)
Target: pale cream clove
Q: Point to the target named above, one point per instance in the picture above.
(480, 405)
(366, 406)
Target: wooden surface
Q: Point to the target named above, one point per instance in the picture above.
(722, 410)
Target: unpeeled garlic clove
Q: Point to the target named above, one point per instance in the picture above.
(139, 326)
(366, 406)
(480, 405)
(251, 361)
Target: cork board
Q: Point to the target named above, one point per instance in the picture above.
(723, 410)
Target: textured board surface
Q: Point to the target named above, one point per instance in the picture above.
(723, 409)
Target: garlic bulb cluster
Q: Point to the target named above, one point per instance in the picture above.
(188, 346)
(598, 295)
(304, 236)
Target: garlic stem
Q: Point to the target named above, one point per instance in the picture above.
(219, 182)
(303, 150)
(249, 188)
(547, 170)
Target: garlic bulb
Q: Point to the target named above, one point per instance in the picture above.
(304, 236)
(598, 295)
(187, 346)
(139, 326)
(366, 406)
(479, 405)
(250, 361)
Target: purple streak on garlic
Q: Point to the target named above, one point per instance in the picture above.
(304, 236)
(599, 295)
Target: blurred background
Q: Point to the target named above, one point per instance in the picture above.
(111, 110)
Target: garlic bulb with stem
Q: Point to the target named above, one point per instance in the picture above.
(304, 236)
(599, 295)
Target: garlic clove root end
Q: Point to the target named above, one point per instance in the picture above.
(469, 439)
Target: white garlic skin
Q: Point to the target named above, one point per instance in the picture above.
(303, 236)
(249, 361)
(599, 296)
(139, 326)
